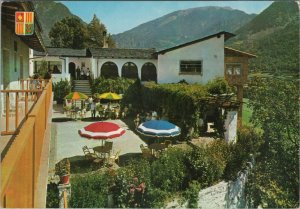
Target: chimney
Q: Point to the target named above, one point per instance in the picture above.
(105, 44)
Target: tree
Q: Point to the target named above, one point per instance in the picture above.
(70, 32)
(275, 180)
(96, 34)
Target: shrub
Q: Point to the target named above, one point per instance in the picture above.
(204, 166)
(192, 194)
(61, 89)
(118, 85)
(90, 191)
(131, 184)
(43, 69)
(219, 150)
(52, 196)
(218, 86)
(155, 198)
(248, 142)
(169, 172)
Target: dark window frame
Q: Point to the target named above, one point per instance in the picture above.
(233, 69)
(191, 67)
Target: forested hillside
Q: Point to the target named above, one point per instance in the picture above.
(273, 36)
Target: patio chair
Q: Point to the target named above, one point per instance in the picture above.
(108, 145)
(143, 146)
(146, 153)
(90, 155)
(168, 143)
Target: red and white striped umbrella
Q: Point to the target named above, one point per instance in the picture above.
(102, 130)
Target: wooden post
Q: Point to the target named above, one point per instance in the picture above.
(240, 110)
(17, 110)
(26, 105)
(65, 200)
(7, 111)
(22, 85)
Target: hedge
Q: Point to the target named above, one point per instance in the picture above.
(185, 104)
(118, 85)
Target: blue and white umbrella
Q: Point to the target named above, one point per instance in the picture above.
(158, 128)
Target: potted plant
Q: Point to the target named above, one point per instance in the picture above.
(62, 169)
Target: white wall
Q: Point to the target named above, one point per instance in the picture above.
(12, 70)
(231, 126)
(120, 62)
(10, 64)
(210, 51)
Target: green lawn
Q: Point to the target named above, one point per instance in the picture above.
(247, 112)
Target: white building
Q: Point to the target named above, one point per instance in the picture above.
(198, 61)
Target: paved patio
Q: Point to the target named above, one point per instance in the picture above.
(68, 143)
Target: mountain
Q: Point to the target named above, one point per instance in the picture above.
(49, 12)
(182, 26)
(273, 36)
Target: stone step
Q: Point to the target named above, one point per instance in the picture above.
(83, 81)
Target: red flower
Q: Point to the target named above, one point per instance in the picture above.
(142, 185)
(131, 190)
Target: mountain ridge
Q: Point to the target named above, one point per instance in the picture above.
(179, 26)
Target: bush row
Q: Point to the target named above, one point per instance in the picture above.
(178, 172)
(118, 85)
(147, 184)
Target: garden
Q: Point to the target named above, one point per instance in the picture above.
(179, 173)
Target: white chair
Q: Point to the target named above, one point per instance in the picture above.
(115, 157)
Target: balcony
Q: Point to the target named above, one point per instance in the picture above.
(25, 136)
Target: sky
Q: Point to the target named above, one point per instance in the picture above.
(120, 16)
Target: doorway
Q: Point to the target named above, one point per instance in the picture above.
(72, 70)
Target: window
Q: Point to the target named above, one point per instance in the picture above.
(233, 69)
(191, 67)
(42, 67)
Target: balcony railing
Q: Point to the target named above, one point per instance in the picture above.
(22, 183)
(19, 102)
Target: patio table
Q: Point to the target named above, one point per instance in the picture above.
(102, 151)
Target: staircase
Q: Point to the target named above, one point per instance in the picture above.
(83, 86)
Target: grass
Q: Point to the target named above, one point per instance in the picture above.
(247, 113)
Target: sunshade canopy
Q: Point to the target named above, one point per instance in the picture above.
(110, 96)
(158, 128)
(102, 130)
(76, 96)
